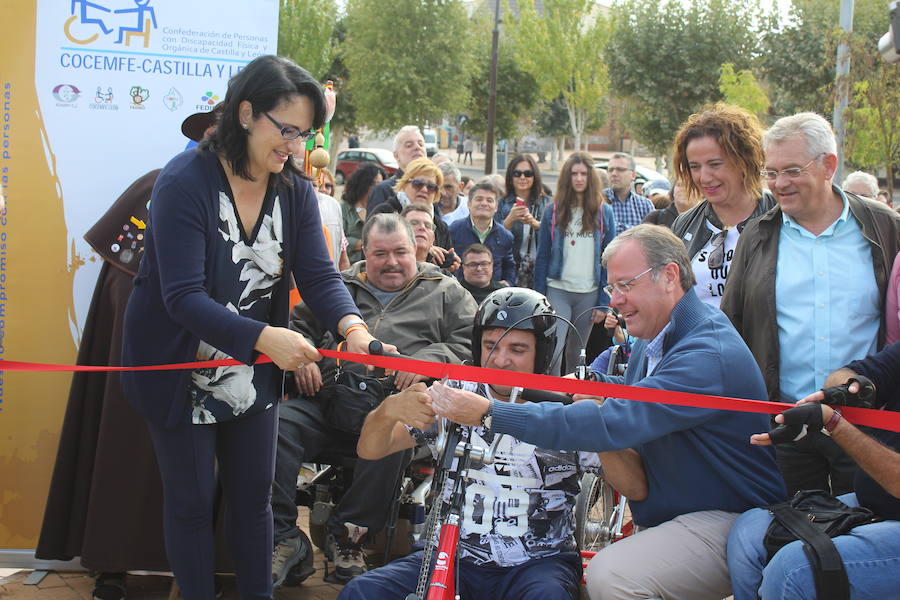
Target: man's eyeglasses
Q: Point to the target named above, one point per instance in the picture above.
(618, 169)
(717, 257)
(481, 264)
(289, 132)
(526, 173)
(792, 173)
(418, 223)
(625, 287)
(418, 184)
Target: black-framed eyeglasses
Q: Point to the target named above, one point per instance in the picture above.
(792, 173)
(625, 286)
(289, 132)
(418, 184)
(526, 173)
(480, 264)
(717, 257)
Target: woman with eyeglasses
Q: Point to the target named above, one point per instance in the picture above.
(575, 229)
(520, 211)
(354, 200)
(718, 158)
(231, 222)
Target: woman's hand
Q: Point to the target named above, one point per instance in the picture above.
(287, 349)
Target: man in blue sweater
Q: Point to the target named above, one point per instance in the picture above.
(480, 228)
(700, 472)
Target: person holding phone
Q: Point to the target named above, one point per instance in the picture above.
(520, 212)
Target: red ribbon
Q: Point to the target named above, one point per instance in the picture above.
(880, 419)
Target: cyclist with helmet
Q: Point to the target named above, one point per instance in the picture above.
(517, 533)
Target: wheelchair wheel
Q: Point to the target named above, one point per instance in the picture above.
(593, 512)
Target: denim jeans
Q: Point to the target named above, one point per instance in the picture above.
(871, 555)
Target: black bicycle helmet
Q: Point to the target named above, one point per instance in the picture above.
(511, 308)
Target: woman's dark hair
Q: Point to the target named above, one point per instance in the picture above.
(536, 186)
(357, 188)
(265, 83)
(566, 198)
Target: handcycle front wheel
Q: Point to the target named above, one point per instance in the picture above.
(594, 507)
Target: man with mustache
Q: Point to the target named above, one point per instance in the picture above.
(423, 313)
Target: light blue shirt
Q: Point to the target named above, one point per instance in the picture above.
(826, 299)
(654, 349)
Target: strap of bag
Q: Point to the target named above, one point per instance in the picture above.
(827, 565)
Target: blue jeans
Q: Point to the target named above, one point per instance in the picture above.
(554, 578)
(871, 555)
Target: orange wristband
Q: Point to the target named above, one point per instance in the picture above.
(354, 327)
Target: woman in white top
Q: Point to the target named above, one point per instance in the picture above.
(574, 230)
(719, 158)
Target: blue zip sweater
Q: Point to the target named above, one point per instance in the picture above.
(695, 458)
(170, 309)
(499, 240)
(549, 261)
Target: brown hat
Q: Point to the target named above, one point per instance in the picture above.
(196, 125)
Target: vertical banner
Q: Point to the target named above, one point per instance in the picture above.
(93, 96)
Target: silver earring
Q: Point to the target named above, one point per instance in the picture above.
(245, 126)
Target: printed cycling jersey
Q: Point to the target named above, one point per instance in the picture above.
(521, 507)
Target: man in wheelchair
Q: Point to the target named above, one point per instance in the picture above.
(516, 535)
(425, 315)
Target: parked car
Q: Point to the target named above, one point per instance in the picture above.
(349, 160)
(431, 141)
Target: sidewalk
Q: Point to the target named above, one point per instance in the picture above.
(79, 585)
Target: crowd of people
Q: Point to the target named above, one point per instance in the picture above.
(751, 275)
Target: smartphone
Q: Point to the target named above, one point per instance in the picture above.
(520, 202)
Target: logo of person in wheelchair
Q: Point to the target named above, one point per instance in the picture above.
(440, 564)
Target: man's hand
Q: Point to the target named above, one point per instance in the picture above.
(795, 423)
(308, 379)
(404, 380)
(411, 407)
(460, 406)
(599, 316)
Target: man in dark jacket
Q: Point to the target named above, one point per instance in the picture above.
(409, 144)
(807, 285)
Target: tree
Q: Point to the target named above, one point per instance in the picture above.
(873, 117)
(410, 61)
(305, 30)
(561, 50)
(664, 59)
(517, 95)
(798, 59)
(742, 89)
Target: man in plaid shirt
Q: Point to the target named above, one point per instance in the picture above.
(628, 208)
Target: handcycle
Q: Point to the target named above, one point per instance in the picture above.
(600, 511)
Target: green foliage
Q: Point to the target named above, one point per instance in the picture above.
(410, 61)
(664, 59)
(798, 58)
(344, 120)
(873, 117)
(561, 49)
(741, 89)
(553, 119)
(305, 33)
(517, 94)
